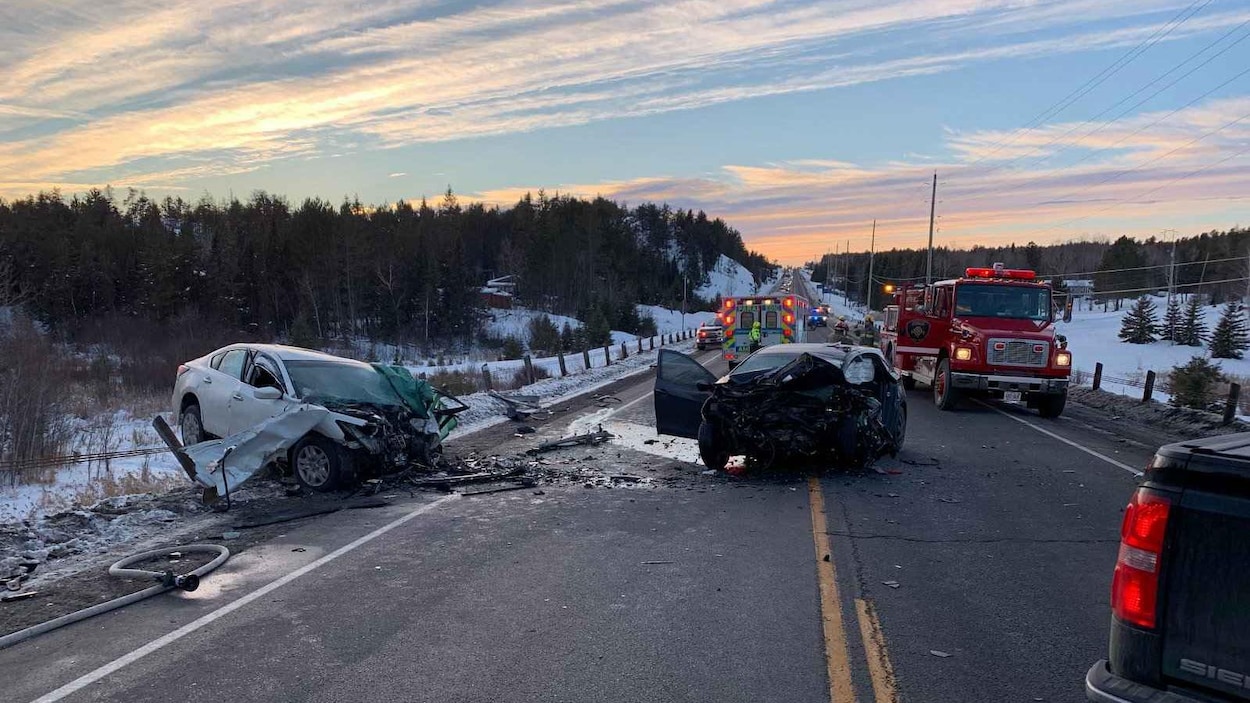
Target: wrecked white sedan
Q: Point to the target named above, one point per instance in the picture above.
(366, 418)
(836, 404)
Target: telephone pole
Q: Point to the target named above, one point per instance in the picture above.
(872, 253)
(928, 273)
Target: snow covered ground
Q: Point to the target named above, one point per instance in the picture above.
(669, 321)
(727, 278)
(1093, 336)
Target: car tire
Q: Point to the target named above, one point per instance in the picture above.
(1051, 406)
(191, 425)
(902, 432)
(318, 463)
(711, 448)
(944, 394)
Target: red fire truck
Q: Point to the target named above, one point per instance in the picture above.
(991, 332)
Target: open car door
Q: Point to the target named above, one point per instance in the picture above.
(678, 400)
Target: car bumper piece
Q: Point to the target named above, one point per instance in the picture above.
(1102, 686)
(995, 382)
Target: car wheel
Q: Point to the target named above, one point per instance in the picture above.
(902, 430)
(191, 425)
(1052, 405)
(944, 395)
(317, 463)
(711, 449)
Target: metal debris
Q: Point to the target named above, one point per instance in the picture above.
(891, 584)
(939, 653)
(590, 438)
(10, 597)
(521, 407)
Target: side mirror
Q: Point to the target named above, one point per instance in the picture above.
(266, 393)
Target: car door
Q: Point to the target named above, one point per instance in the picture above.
(245, 409)
(678, 398)
(217, 390)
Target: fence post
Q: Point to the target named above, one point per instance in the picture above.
(624, 351)
(529, 368)
(651, 343)
(586, 357)
(640, 345)
(1098, 375)
(607, 355)
(486, 377)
(1230, 407)
(1150, 387)
(564, 371)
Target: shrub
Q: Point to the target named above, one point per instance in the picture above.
(512, 348)
(544, 335)
(455, 382)
(1192, 385)
(34, 390)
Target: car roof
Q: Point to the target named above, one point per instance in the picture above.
(288, 353)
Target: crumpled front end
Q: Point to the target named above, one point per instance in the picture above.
(805, 409)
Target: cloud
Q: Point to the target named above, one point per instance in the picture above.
(397, 174)
(1190, 167)
(141, 89)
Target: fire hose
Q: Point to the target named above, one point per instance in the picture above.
(166, 581)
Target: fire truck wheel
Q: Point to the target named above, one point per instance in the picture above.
(1052, 405)
(944, 396)
(711, 450)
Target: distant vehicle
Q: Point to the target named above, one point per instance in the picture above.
(835, 403)
(709, 334)
(990, 332)
(782, 317)
(1180, 597)
(818, 318)
(241, 386)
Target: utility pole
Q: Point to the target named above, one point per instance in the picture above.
(928, 272)
(683, 303)
(872, 253)
(846, 274)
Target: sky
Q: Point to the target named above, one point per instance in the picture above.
(799, 123)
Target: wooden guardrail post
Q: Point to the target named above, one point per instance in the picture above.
(486, 377)
(1230, 406)
(651, 343)
(529, 368)
(1098, 375)
(624, 351)
(1150, 387)
(564, 371)
(607, 355)
(586, 357)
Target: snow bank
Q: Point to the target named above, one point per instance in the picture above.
(670, 321)
(516, 322)
(727, 278)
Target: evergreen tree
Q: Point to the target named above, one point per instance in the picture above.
(1140, 324)
(1192, 332)
(1173, 321)
(1229, 339)
(1192, 384)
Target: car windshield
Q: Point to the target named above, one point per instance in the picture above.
(989, 300)
(759, 363)
(336, 381)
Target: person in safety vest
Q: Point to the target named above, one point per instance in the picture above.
(756, 336)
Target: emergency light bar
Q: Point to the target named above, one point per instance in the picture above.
(1000, 272)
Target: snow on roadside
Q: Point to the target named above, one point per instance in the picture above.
(727, 278)
(670, 321)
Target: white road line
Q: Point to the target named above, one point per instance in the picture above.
(89, 678)
(1065, 440)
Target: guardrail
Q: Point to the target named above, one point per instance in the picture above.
(1147, 385)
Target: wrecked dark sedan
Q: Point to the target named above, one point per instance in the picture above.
(326, 417)
(838, 405)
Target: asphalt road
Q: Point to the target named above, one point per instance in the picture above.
(976, 567)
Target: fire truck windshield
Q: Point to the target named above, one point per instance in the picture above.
(990, 300)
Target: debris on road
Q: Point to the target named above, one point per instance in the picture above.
(521, 407)
(588, 439)
(939, 653)
(10, 597)
(891, 584)
(650, 563)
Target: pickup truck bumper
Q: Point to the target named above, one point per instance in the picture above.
(1102, 686)
(995, 382)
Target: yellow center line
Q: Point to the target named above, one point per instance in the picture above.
(879, 668)
(837, 660)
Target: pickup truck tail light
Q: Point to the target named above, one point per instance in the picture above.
(1135, 588)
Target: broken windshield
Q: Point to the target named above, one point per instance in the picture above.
(333, 381)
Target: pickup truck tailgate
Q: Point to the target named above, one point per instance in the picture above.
(1206, 604)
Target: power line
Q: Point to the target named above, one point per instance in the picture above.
(1141, 102)
(1084, 89)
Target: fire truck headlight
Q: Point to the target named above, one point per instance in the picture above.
(1063, 358)
(963, 354)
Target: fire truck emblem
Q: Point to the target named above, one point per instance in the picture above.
(918, 329)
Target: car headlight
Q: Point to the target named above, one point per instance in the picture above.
(1063, 358)
(963, 354)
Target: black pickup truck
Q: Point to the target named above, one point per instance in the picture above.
(1180, 598)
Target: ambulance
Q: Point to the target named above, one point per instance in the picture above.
(783, 320)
